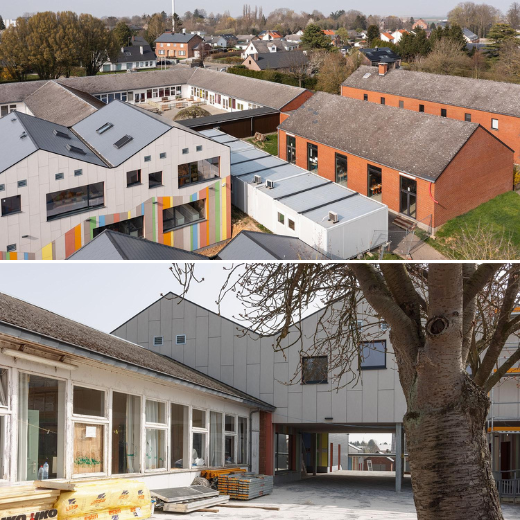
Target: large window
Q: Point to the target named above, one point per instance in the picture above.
(11, 205)
(156, 430)
(41, 427)
(230, 440)
(373, 354)
(314, 370)
(408, 197)
(133, 178)
(126, 413)
(199, 171)
(312, 157)
(291, 149)
(73, 200)
(199, 438)
(341, 169)
(375, 182)
(282, 454)
(188, 213)
(133, 227)
(90, 420)
(215, 439)
(179, 420)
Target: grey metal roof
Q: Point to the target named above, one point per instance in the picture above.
(265, 93)
(479, 94)
(20, 316)
(111, 245)
(416, 143)
(279, 60)
(228, 116)
(168, 37)
(126, 120)
(133, 53)
(60, 104)
(247, 155)
(298, 189)
(38, 135)
(253, 245)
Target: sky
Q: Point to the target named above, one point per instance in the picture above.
(105, 295)
(404, 8)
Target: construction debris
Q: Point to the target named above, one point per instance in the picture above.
(27, 502)
(245, 486)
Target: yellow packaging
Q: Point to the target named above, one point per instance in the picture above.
(95, 500)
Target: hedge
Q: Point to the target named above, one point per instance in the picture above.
(276, 77)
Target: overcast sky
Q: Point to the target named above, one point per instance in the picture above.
(404, 8)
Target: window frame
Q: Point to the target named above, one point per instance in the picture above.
(421, 109)
(13, 212)
(157, 184)
(345, 175)
(467, 117)
(135, 183)
(164, 427)
(374, 367)
(444, 112)
(280, 218)
(314, 381)
(233, 434)
(494, 124)
(312, 147)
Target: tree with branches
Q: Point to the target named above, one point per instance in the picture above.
(449, 324)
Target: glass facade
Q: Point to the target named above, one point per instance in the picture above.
(72, 200)
(184, 214)
(126, 414)
(341, 169)
(198, 171)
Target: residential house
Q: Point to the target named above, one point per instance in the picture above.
(428, 169)
(397, 35)
(487, 103)
(223, 41)
(470, 36)
(381, 55)
(137, 56)
(71, 393)
(120, 168)
(177, 45)
(292, 200)
(269, 35)
(263, 47)
(202, 50)
(294, 38)
(420, 24)
(243, 40)
(387, 37)
(282, 61)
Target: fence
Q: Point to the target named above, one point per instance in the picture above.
(508, 483)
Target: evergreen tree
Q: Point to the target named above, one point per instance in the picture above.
(313, 38)
(372, 34)
(122, 34)
(2, 24)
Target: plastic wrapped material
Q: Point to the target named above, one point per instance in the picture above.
(118, 499)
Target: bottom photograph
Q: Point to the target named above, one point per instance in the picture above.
(260, 390)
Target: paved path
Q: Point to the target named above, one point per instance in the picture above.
(342, 495)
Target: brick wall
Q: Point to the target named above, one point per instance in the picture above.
(266, 445)
(508, 127)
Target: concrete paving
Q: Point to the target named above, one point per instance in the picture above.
(342, 495)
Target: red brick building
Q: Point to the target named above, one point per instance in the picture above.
(429, 169)
(493, 105)
(177, 45)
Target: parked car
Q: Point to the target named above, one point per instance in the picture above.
(164, 62)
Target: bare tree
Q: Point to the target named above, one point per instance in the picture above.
(443, 318)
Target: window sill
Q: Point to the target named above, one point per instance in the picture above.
(12, 213)
(181, 227)
(198, 182)
(157, 186)
(381, 367)
(134, 184)
(77, 212)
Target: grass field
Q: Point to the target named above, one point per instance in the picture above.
(492, 226)
(270, 145)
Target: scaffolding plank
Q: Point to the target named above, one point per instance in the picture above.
(195, 505)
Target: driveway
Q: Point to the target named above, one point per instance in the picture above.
(342, 495)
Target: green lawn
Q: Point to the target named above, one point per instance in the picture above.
(498, 220)
(270, 145)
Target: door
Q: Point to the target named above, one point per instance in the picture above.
(505, 458)
(408, 197)
(291, 149)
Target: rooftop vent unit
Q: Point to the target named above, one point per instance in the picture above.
(104, 128)
(123, 141)
(75, 149)
(58, 133)
(333, 217)
(269, 184)
(257, 179)
(23, 136)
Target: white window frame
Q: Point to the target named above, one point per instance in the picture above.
(494, 123)
(231, 434)
(5, 433)
(201, 430)
(91, 420)
(155, 426)
(247, 441)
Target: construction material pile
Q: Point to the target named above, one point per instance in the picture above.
(245, 486)
(27, 502)
(104, 500)
(187, 499)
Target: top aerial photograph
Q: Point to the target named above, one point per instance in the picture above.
(239, 132)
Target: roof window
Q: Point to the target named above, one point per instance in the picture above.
(123, 141)
(59, 133)
(104, 128)
(75, 149)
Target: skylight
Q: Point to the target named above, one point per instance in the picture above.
(104, 128)
(75, 149)
(123, 141)
(58, 133)
(367, 75)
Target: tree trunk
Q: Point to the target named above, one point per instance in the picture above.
(449, 459)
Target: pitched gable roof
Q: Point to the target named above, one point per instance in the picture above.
(279, 60)
(168, 37)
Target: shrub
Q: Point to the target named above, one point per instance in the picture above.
(191, 113)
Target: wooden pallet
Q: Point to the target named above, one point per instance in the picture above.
(195, 505)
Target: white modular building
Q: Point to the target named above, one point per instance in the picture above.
(288, 200)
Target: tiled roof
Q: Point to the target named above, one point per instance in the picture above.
(479, 94)
(29, 317)
(175, 38)
(419, 144)
(279, 60)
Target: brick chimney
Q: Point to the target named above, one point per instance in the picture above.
(383, 69)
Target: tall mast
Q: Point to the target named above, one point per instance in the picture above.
(173, 16)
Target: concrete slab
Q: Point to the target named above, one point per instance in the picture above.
(342, 495)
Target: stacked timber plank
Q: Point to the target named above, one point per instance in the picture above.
(245, 486)
(27, 500)
(188, 499)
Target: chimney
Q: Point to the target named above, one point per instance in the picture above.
(383, 69)
(184, 31)
(123, 50)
